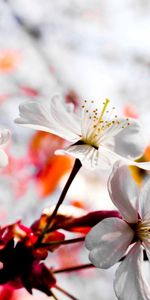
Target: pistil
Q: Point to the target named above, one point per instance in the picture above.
(103, 111)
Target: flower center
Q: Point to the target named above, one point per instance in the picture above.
(96, 123)
(142, 230)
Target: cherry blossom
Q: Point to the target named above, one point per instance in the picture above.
(97, 136)
(4, 137)
(113, 238)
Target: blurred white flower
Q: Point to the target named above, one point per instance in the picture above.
(109, 240)
(4, 137)
(98, 137)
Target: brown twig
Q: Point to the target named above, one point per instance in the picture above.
(74, 268)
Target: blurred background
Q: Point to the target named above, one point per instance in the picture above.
(89, 49)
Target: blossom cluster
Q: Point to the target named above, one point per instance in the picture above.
(98, 139)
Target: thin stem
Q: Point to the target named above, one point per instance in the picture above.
(76, 168)
(55, 298)
(65, 292)
(74, 268)
(65, 242)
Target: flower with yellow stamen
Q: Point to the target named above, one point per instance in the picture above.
(97, 136)
(114, 238)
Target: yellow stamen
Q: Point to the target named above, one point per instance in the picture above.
(99, 120)
(143, 230)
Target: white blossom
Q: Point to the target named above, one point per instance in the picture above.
(4, 137)
(97, 136)
(113, 238)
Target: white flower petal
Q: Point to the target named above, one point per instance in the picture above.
(129, 282)
(116, 127)
(3, 159)
(53, 117)
(130, 142)
(90, 157)
(64, 116)
(142, 165)
(85, 153)
(108, 241)
(144, 201)
(116, 157)
(4, 137)
(123, 192)
(102, 158)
